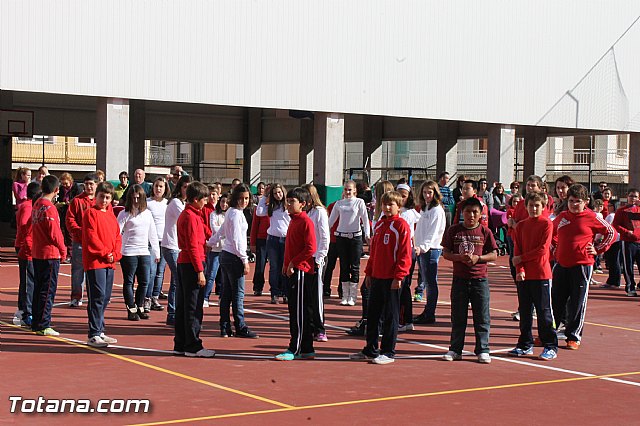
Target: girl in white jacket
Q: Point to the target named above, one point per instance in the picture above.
(428, 246)
(138, 232)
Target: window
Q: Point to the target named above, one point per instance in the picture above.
(85, 141)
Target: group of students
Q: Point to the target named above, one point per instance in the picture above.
(197, 233)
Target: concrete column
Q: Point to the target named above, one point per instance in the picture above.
(112, 136)
(328, 159)
(252, 147)
(500, 153)
(535, 151)
(137, 135)
(305, 153)
(6, 171)
(372, 147)
(634, 162)
(447, 149)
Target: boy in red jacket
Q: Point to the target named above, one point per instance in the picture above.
(73, 221)
(47, 249)
(469, 245)
(300, 267)
(102, 248)
(25, 261)
(533, 278)
(389, 263)
(191, 263)
(627, 222)
(578, 235)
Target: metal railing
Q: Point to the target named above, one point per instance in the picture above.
(285, 172)
(62, 150)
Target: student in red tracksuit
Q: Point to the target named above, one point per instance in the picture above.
(73, 221)
(258, 245)
(299, 267)
(578, 235)
(533, 278)
(101, 249)
(23, 244)
(388, 264)
(627, 222)
(191, 282)
(47, 249)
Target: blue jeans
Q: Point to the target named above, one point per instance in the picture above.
(232, 291)
(156, 276)
(25, 291)
(275, 253)
(475, 291)
(213, 264)
(132, 267)
(77, 272)
(99, 285)
(171, 257)
(428, 263)
(45, 284)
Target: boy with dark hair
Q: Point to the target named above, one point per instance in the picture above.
(102, 248)
(191, 284)
(578, 235)
(25, 261)
(389, 263)
(470, 245)
(533, 278)
(470, 190)
(299, 267)
(73, 221)
(627, 222)
(47, 250)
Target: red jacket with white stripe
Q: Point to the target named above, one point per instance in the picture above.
(390, 256)
(48, 242)
(573, 232)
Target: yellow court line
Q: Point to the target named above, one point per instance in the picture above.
(617, 327)
(388, 398)
(164, 370)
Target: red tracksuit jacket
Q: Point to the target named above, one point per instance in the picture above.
(191, 237)
(532, 241)
(300, 244)
(73, 220)
(24, 237)
(627, 222)
(390, 256)
(48, 242)
(573, 232)
(100, 237)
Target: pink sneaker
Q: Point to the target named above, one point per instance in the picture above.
(321, 337)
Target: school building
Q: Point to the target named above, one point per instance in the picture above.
(318, 91)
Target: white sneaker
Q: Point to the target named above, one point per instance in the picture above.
(383, 359)
(406, 327)
(484, 358)
(344, 301)
(17, 317)
(75, 303)
(109, 340)
(97, 342)
(202, 353)
(205, 304)
(350, 301)
(452, 356)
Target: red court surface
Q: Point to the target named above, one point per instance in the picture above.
(598, 384)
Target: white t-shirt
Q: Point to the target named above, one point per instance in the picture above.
(158, 210)
(137, 233)
(170, 235)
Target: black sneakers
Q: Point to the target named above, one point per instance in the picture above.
(246, 333)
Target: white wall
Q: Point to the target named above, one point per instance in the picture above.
(491, 61)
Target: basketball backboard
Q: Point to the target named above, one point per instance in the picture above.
(16, 123)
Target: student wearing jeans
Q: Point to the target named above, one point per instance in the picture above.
(138, 233)
(470, 245)
(157, 205)
(169, 245)
(428, 246)
(234, 264)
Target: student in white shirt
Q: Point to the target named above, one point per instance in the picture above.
(138, 232)
(157, 205)
(318, 215)
(353, 219)
(428, 246)
(234, 263)
(216, 219)
(169, 245)
(411, 216)
(274, 206)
